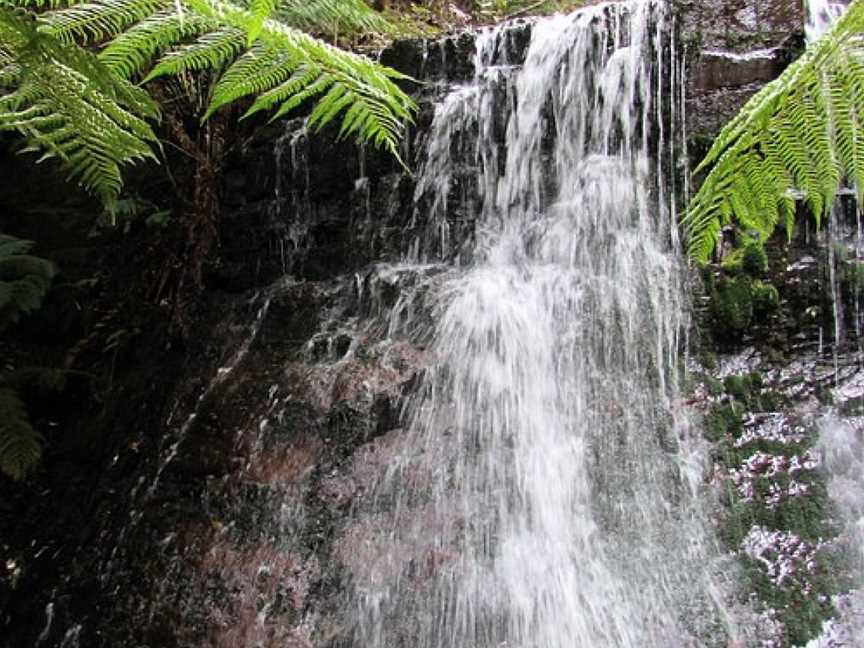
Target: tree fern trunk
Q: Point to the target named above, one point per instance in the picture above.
(200, 220)
(198, 212)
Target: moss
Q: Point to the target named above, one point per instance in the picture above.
(802, 614)
(766, 299)
(749, 259)
(771, 401)
(801, 610)
(708, 360)
(714, 386)
(720, 421)
(754, 261)
(732, 306)
(756, 379)
(739, 387)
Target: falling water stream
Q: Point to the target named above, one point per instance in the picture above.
(540, 497)
(820, 15)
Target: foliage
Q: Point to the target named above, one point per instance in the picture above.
(24, 279)
(750, 259)
(333, 16)
(777, 514)
(498, 9)
(732, 305)
(766, 298)
(20, 444)
(253, 55)
(799, 135)
(68, 105)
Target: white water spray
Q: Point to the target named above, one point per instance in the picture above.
(821, 14)
(537, 500)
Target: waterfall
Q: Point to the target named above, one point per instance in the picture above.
(539, 498)
(820, 15)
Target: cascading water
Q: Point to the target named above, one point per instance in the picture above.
(539, 498)
(820, 15)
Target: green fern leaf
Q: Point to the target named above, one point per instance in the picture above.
(259, 11)
(212, 50)
(20, 444)
(314, 69)
(133, 51)
(98, 20)
(328, 16)
(802, 133)
(69, 106)
(24, 279)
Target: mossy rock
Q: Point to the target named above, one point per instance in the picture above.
(739, 387)
(766, 299)
(732, 306)
(749, 259)
(720, 421)
(708, 360)
(754, 261)
(712, 385)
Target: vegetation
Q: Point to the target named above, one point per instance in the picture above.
(777, 516)
(24, 282)
(799, 136)
(24, 279)
(83, 108)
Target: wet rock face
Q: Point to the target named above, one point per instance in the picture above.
(315, 207)
(740, 25)
(733, 48)
(771, 396)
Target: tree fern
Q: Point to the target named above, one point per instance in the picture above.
(97, 127)
(24, 279)
(20, 444)
(96, 22)
(259, 11)
(343, 16)
(802, 135)
(133, 51)
(69, 106)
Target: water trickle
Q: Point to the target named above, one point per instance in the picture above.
(835, 263)
(291, 206)
(820, 16)
(540, 497)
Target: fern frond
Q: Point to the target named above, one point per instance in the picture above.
(259, 69)
(343, 16)
(67, 105)
(24, 279)
(212, 50)
(97, 20)
(800, 134)
(133, 51)
(39, 4)
(82, 109)
(259, 11)
(290, 67)
(20, 444)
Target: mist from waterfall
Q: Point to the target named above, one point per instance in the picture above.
(821, 14)
(544, 494)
